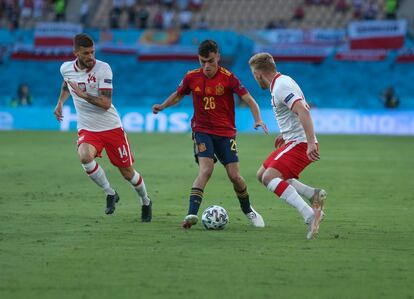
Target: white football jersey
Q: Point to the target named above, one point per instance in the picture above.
(285, 92)
(91, 117)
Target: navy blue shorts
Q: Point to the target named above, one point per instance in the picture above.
(211, 146)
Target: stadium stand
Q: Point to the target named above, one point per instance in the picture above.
(331, 83)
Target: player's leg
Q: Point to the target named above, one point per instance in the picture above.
(273, 180)
(119, 153)
(311, 193)
(137, 182)
(288, 162)
(87, 154)
(240, 188)
(204, 152)
(226, 151)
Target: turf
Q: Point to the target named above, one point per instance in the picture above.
(56, 242)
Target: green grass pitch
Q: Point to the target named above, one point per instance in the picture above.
(56, 242)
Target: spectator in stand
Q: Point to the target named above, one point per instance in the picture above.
(130, 10)
(185, 17)
(23, 97)
(182, 4)
(38, 6)
(278, 24)
(142, 15)
(196, 5)
(390, 99)
(26, 13)
(341, 6)
(158, 20)
(202, 24)
(391, 9)
(167, 18)
(299, 13)
(84, 12)
(115, 13)
(60, 10)
(370, 10)
(357, 8)
(9, 14)
(168, 4)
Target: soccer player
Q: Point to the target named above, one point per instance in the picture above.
(89, 82)
(297, 149)
(213, 125)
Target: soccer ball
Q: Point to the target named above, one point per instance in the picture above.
(215, 217)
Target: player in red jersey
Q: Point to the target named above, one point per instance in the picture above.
(213, 124)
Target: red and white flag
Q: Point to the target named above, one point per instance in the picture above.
(381, 34)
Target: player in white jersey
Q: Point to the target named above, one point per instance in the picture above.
(298, 147)
(89, 82)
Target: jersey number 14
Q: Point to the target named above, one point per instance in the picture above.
(122, 151)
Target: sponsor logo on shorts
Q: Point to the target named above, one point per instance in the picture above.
(289, 97)
(202, 147)
(109, 81)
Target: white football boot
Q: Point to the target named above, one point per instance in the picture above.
(318, 201)
(255, 218)
(189, 221)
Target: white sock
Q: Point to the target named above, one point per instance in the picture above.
(292, 197)
(97, 174)
(138, 184)
(302, 189)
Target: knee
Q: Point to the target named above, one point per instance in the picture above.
(267, 178)
(235, 177)
(127, 173)
(259, 176)
(206, 172)
(85, 159)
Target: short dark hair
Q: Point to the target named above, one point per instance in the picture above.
(82, 40)
(206, 47)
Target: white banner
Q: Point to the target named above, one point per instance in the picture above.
(370, 29)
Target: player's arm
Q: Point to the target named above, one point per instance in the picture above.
(64, 95)
(103, 100)
(304, 116)
(254, 108)
(173, 99)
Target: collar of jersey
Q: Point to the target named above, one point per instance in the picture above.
(274, 80)
(83, 70)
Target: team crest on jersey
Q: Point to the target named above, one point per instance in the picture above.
(82, 86)
(202, 147)
(91, 78)
(219, 89)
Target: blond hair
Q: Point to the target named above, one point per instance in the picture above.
(263, 62)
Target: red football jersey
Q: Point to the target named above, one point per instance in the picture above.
(213, 100)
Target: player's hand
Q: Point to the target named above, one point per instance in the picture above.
(77, 90)
(58, 112)
(261, 124)
(157, 108)
(279, 141)
(313, 152)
